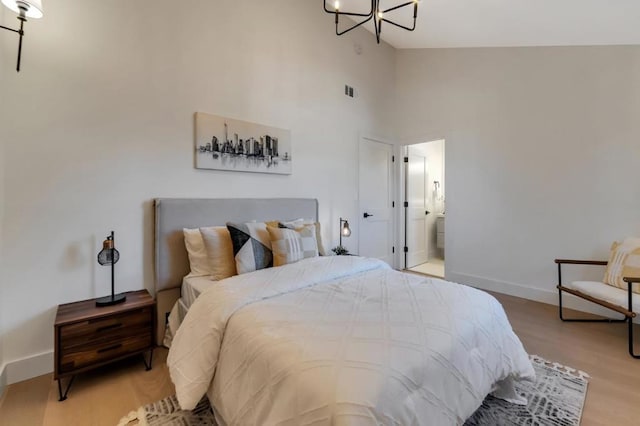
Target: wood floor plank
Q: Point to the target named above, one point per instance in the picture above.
(24, 403)
(102, 397)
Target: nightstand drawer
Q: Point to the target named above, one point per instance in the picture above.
(115, 326)
(106, 337)
(87, 354)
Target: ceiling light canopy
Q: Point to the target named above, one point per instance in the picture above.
(376, 14)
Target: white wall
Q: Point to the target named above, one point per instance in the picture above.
(101, 122)
(542, 149)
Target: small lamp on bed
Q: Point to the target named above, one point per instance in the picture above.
(345, 231)
(110, 256)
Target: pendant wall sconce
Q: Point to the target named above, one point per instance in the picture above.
(25, 9)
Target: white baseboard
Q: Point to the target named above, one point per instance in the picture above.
(549, 296)
(28, 368)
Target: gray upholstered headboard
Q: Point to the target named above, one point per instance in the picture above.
(173, 214)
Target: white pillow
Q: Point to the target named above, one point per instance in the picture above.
(631, 242)
(321, 250)
(220, 260)
(197, 253)
(293, 224)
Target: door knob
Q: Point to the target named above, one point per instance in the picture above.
(366, 215)
(427, 212)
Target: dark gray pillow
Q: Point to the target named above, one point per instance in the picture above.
(251, 246)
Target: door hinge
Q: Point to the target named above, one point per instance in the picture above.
(406, 159)
(393, 158)
(393, 204)
(406, 249)
(393, 249)
(406, 204)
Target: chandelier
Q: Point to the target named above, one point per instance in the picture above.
(376, 14)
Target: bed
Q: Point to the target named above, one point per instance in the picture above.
(332, 340)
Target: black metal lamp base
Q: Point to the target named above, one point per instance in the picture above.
(111, 300)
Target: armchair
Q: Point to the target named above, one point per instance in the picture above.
(610, 297)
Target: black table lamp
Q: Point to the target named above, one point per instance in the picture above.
(110, 256)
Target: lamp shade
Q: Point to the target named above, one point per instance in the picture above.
(108, 255)
(33, 7)
(346, 231)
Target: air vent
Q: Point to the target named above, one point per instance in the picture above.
(348, 90)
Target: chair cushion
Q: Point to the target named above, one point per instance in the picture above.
(624, 261)
(605, 292)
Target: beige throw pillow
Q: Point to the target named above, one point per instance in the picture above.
(217, 242)
(197, 253)
(624, 261)
(290, 246)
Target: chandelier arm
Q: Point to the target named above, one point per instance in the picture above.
(351, 14)
(333, 12)
(401, 26)
(353, 27)
(400, 6)
(376, 14)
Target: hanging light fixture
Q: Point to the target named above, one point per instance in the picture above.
(376, 14)
(25, 9)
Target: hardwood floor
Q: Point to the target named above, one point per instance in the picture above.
(613, 396)
(101, 397)
(104, 396)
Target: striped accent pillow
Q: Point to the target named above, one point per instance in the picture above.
(301, 224)
(251, 246)
(290, 246)
(624, 261)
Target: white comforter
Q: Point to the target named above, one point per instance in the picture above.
(344, 340)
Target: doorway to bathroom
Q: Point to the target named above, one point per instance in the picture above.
(424, 208)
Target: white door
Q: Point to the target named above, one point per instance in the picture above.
(417, 236)
(376, 197)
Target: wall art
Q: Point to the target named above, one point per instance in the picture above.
(229, 144)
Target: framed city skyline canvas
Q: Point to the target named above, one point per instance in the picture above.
(228, 144)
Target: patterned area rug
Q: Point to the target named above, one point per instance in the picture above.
(555, 399)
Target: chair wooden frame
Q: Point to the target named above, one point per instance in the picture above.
(628, 313)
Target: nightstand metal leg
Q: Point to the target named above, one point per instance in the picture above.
(144, 359)
(64, 396)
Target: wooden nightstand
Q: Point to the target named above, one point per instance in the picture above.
(87, 336)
